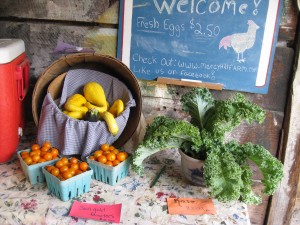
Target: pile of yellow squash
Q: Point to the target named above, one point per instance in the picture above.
(77, 106)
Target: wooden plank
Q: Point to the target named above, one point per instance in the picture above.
(289, 21)
(93, 11)
(283, 203)
(57, 10)
(163, 80)
(41, 39)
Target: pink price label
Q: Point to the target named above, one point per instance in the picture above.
(103, 212)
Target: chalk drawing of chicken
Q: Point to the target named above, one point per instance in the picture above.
(240, 42)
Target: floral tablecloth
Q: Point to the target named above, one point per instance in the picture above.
(23, 203)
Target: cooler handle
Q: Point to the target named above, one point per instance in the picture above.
(22, 72)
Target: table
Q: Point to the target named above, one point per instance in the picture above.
(23, 203)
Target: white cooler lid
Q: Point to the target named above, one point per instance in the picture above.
(10, 49)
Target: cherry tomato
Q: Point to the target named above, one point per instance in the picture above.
(48, 156)
(54, 152)
(59, 164)
(116, 151)
(83, 166)
(98, 153)
(91, 157)
(49, 168)
(72, 171)
(47, 144)
(65, 160)
(106, 152)
(121, 156)
(73, 160)
(74, 166)
(102, 159)
(24, 154)
(116, 162)
(105, 147)
(55, 171)
(41, 160)
(111, 156)
(63, 169)
(67, 174)
(111, 147)
(28, 160)
(35, 147)
(35, 158)
(109, 163)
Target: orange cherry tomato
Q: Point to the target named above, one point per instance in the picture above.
(44, 149)
(28, 160)
(73, 160)
(116, 162)
(24, 154)
(91, 157)
(106, 152)
(111, 156)
(121, 156)
(111, 147)
(98, 153)
(48, 156)
(109, 163)
(74, 166)
(47, 144)
(65, 160)
(63, 169)
(55, 171)
(102, 159)
(116, 151)
(41, 160)
(83, 166)
(59, 164)
(67, 174)
(54, 152)
(105, 147)
(35, 147)
(35, 158)
(72, 171)
(49, 168)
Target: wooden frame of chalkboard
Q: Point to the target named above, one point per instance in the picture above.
(229, 43)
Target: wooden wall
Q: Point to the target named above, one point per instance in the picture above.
(93, 24)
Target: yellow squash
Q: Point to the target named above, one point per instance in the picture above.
(76, 103)
(91, 106)
(117, 108)
(94, 93)
(111, 122)
(75, 114)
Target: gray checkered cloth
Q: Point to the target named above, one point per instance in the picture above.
(79, 137)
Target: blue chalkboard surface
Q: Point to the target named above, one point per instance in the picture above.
(229, 42)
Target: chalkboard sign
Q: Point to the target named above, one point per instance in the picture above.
(228, 42)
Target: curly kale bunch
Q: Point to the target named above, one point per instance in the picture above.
(227, 171)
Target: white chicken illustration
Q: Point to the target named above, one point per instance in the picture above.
(240, 42)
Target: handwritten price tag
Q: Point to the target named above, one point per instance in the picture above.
(190, 206)
(109, 213)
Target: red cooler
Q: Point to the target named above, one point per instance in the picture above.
(14, 83)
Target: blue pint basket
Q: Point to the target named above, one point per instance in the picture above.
(34, 173)
(109, 174)
(70, 188)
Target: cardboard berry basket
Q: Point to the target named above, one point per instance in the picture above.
(109, 174)
(70, 188)
(34, 173)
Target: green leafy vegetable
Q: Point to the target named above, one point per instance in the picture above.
(165, 133)
(227, 171)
